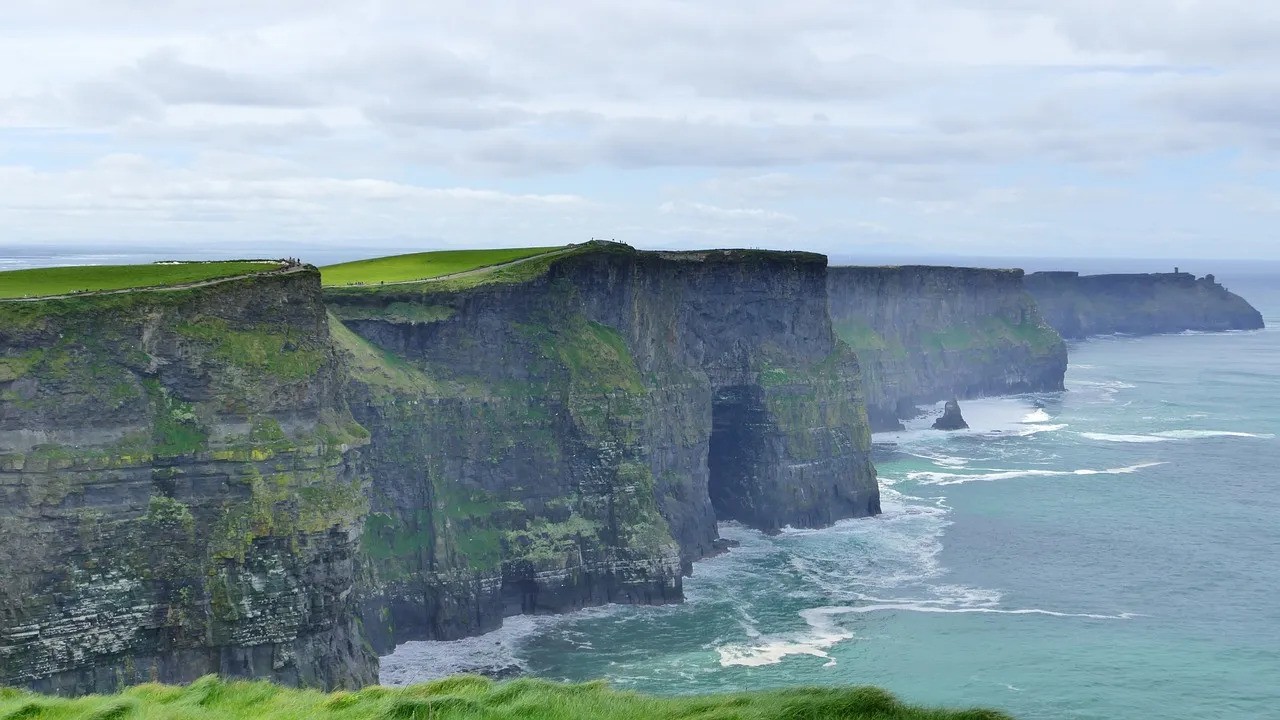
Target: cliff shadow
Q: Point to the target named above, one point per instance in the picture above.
(740, 453)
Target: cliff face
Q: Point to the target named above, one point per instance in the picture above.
(1140, 304)
(232, 479)
(178, 492)
(925, 334)
(569, 435)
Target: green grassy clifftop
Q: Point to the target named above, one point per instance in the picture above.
(470, 698)
(44, 282)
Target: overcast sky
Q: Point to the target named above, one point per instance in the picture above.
(1142, 128)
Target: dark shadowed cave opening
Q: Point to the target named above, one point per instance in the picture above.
(738, 452)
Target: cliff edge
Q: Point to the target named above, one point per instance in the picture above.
(179, 489)
(567, 432)
(1078, 306)
(930, 333)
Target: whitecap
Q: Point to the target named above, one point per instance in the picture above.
(823, 633)
(1033, 430)
(1202, 434)
(1039, 416)
(1108, 437)
(940, 459)
(941, 478)
(926, 606)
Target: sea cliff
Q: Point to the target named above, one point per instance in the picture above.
(250, 479)
(929, 333)
(179, 490)
(1078, 306)
(568, 434)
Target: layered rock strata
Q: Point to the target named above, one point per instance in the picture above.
(179, 490)
(567, 432)
(1138, 304)
(925, 334)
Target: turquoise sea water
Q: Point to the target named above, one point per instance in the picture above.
(1108, 552)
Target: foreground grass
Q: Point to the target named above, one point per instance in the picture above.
(40, 282)
(469, 698)
(422, 266)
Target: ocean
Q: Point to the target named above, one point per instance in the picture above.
(1112, 551)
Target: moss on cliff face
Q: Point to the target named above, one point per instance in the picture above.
(930, 333)
(543, 443)
(219, 475)
(175, 470)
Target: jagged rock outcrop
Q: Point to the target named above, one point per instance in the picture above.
(951, 418)
(567, 433)
(924, 334)
(179, 491)
(1078, 306)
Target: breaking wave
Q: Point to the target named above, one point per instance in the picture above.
(945, 478)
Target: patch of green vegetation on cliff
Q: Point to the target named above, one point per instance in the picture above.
(545, 540)
(991, 333)
(286, 503)
(422, 266)
(40, 282)
(597, 357)
(603, 381)
(175, 428)
(279, 351)
(860, 335)
(16, 366)
(815, 403)
(640, 526)
(401, 545)
(373, 366)
(470, 522)
(166, 515)
(471, 698)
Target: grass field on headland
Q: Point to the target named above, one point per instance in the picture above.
(422, 266)
(42, 282)
(467, 698)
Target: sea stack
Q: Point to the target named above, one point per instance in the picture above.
(951, 418)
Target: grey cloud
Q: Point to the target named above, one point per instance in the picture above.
(402, 73)
(241, 135)
(107, 102)
(1249, 101)
(448, 116)
(177, 82)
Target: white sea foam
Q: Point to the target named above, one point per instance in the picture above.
(942, 478)
(1105, 389)
(1038, 416)
(1034, 429)
(1201, 434)
(925, 606)
(415, 662)
(939, 459)
(821, 635)
(1108, 437)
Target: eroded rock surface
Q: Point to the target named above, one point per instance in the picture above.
(951, 418)
(925, 334)
(1138, 304)
(180, 490)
